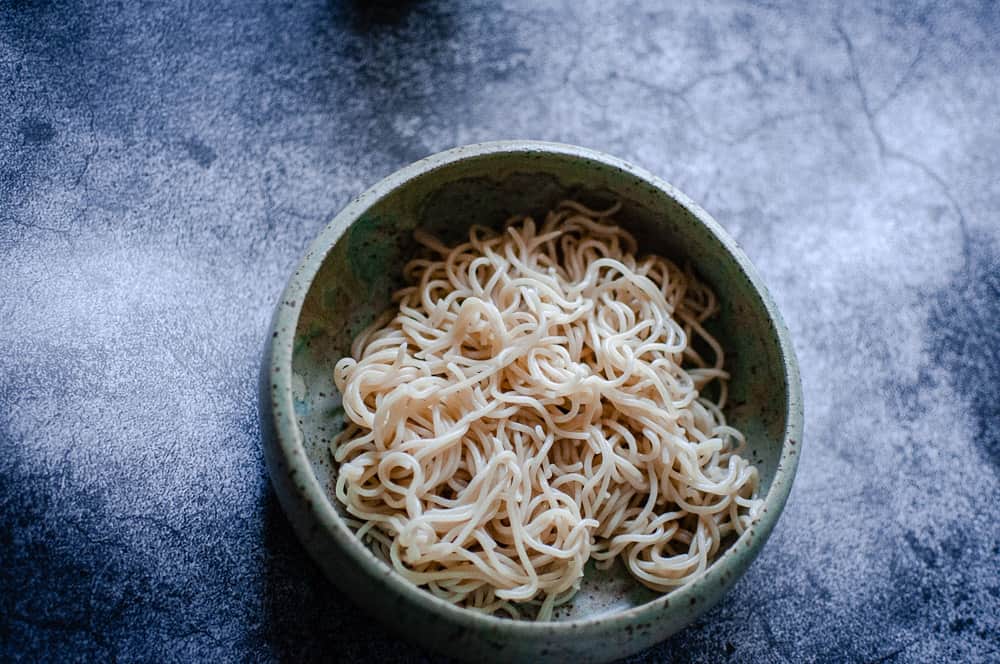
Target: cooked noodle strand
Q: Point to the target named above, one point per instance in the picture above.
(534, 401)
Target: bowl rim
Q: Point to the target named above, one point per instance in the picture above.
(289, 438)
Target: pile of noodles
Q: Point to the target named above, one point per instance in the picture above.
(535, 402)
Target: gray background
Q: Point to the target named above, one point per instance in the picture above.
(163, 166)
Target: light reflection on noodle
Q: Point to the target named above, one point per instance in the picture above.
(534, 402)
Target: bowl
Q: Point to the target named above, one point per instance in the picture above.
(345, 279)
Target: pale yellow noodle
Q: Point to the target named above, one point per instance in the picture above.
(534, 402)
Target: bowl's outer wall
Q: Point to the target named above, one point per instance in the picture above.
(339, 290)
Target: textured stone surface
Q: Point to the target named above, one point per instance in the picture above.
(162, 167)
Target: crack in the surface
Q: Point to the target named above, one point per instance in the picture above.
(768, 122)
(906, 76)
(674, 95)
(40, 227)
(862, 92)
(689, 87)
(888, 152)
(89, 156)
(679, 94)
(894, 653)
(963, 224)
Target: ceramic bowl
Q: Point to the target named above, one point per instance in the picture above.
(346, 278)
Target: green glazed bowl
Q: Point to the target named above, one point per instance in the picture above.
(346, 279)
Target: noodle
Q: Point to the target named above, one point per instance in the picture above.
(535, 402)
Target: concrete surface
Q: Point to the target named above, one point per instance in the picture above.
(163, 166)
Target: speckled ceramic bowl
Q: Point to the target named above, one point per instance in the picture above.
(346, 278)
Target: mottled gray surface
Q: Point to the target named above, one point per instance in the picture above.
(163, 167)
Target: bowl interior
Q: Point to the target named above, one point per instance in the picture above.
(355, 281)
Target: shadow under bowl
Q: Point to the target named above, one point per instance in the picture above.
(346, 279)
